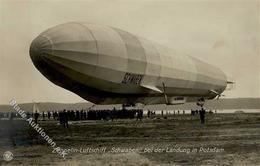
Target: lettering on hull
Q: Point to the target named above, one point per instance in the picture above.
(130, 78)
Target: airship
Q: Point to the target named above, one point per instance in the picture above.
(107, 65)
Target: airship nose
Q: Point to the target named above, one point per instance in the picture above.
(69, 41)
(39, 46)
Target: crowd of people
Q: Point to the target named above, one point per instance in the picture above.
(63, 116)
(70, 115)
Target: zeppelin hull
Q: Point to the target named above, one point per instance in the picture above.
(108, 65)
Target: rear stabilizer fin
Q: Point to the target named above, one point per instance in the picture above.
(153, 88)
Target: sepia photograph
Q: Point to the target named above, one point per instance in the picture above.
(130, 82)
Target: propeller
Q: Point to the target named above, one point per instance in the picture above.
(218, 94)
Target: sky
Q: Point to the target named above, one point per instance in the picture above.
(225, 33)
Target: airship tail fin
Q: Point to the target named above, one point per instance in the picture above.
(230, 85)
(153, 88)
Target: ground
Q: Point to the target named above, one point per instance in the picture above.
(225, 139)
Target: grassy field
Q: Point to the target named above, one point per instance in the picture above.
(225, 139)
